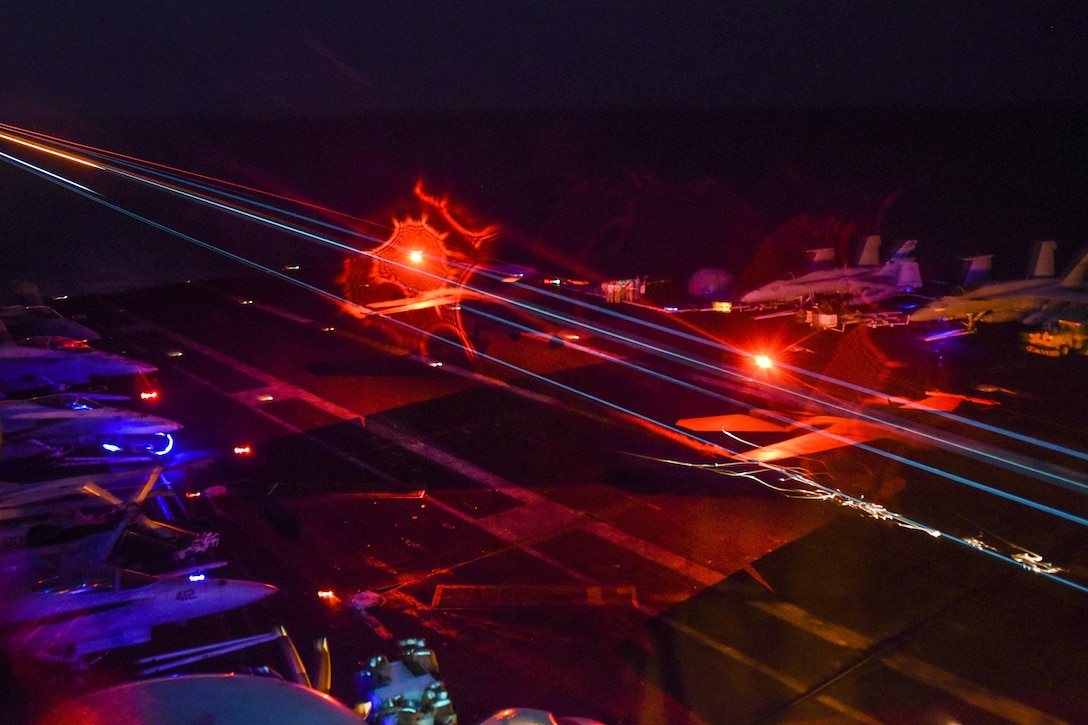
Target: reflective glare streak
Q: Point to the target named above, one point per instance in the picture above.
(812, 490)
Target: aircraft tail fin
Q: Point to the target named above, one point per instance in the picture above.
(902, 267)
(1042, 259)
(901, 257)
(903, 251)
(976, 270)
(909, 277)
(822, 259)
(870, 252)
(1077, 271)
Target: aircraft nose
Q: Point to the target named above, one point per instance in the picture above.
(924, 314)
(146, 424)
(239, 592)
(139, 367)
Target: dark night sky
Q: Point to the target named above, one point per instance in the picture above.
(79, 59)
(973, 180)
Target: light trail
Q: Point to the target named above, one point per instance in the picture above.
(810, 489)
(181, 175)
(44, 173)
(47, 150)
(636, 343)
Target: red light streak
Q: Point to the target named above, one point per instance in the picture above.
(52, 152)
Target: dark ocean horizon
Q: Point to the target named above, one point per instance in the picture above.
(610, 193)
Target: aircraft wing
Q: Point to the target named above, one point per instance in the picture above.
(19, 382)
(1063, 294)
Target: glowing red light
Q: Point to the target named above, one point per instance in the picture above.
(763, 362)
(149, 395)
(242, 450)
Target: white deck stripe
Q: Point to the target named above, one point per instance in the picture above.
(912, 667)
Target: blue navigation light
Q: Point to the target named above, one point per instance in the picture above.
(111, 447)
(196, 577)
(169, 444)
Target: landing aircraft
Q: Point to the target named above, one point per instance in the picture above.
(827, 432)
(56, 363)
(1014, 300)
(867, 283)
(55, 426)
(69, 620)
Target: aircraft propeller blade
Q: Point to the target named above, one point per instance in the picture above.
(296, 669)
(323, 681)
(132, 514)
(97, 491)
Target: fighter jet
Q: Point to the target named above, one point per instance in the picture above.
(867, 283)
(69, 620)
(22, 321)
(67, 526)
(1013, 300)
(52, 427)
(55, 363)
(825, 432)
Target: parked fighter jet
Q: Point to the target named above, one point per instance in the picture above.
(1013, 300)
(826, 432)
(867, 283)
(69, 620)
(66, 526)
(22, 321)
(54, 426)
(55, 363)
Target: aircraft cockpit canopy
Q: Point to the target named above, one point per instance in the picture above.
(55, 342)
(68, 401)
(114, 579)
